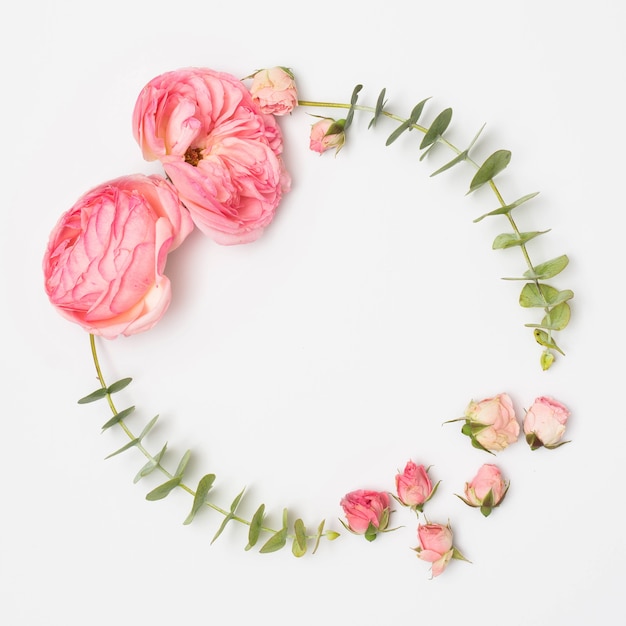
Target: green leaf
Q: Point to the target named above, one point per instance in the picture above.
(417, 111)
(150, 466)
(543, 296)
(118, 417)
(380, 105)
(119, 385)
(492, 166)
(318, 536)
(200, 498)
(180, 470)
(275, 542)
(506, 209)
(130, 444)
(162, 491)
(98, 394)
(255, 527)
(230, 516)
(437, 128)
(509, 240)
(556, 319)
(353, 100)
(406, 125)
(457, 159)
(298, 547)
(149, 426)
(543, 339)
(549, 269)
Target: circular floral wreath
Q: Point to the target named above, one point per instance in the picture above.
(220, 144)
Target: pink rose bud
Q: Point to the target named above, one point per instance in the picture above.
(327, 134)
(544, 423)
(486, 490)
(220, 151)
(414, 487)
(436, 546)
(104, 263)
(491, 423)
(274, 90)
(367, 512)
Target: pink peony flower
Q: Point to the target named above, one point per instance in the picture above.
(220, 151)
(436, 546)
(274, 90)
(105, 258)
(486, 490)
(544, 423)
(491, 423)
(413, 486)
(366, 511)
(327, 134)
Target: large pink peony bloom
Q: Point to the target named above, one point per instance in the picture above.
(104, 263)
(220, 151)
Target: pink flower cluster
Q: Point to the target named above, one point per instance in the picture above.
(221, 148)
(492, 424)
(368, 512)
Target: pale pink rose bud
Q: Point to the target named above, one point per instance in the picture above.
(327, 134)
(220, 151)
(104, 263)
(274, 90)
(414, 487)
(435, 546)
(544, 423)
(367, 512)
(491, 424)
(486, 490)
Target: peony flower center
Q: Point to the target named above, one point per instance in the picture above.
(193, 156)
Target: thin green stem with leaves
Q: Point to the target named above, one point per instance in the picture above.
(535, 293)
(278, 538)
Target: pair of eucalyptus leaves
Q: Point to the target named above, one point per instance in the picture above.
(535, 293)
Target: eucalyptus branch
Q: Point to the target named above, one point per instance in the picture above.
(535, 293)
(277, 539)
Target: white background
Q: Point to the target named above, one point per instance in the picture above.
(323, 357)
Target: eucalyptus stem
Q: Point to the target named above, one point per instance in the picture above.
(440, 139)
(229, 515)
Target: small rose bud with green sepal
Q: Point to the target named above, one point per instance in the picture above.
(490, 424)
(545, 422)
(367, 512)
(436, 546)
(414, 487)
(486, 490)
(327, 134)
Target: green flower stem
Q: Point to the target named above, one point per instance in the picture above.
(146, 453)
(457, 151)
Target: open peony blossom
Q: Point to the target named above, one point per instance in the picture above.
(414, 487)
(274, 90)
(366, 511)
(491, 424)
(486, 490)
(105, 258)
(326, 135)
(544, 423)
(435, 546)
(220, 151)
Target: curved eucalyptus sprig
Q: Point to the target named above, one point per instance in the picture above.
(536, 293)
(277, 540)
